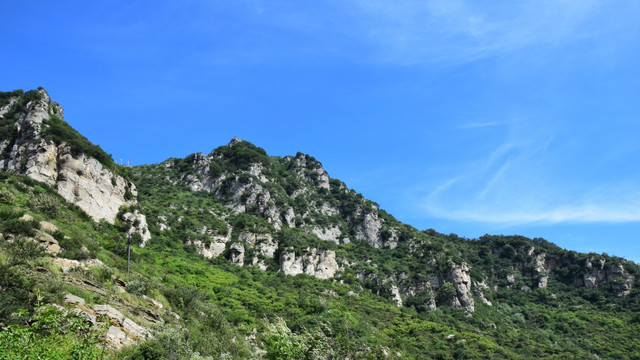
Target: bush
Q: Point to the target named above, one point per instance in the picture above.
(59, 131)
(50, 333)
(6, 196)
(46, 204)
(138, 286)
(20, 227)
(22, 250)
(446, 292)
(72, 248)
(8, 214)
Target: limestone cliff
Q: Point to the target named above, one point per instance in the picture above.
(34, 148)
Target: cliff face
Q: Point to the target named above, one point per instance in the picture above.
(79, 178)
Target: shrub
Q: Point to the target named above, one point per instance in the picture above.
(6, 196)
(59, 131)
(50, 333)
(7, 214)
(22, 250)
(138, 286)
(46, 204)
(446, 292)
(20, 227)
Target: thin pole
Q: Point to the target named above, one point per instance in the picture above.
(128, 252)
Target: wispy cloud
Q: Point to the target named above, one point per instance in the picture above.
(528, 179)
(456, 31)
(402, 32)
(486, 124)
(582, 213)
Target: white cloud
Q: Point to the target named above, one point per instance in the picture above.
(475, 125)
(532, 178)
(457, 31)
(601, 213)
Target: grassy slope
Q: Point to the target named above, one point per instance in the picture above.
(218, 301)
(528, 324)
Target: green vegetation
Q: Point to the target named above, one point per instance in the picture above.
(55, 129)
(49, 333)
(200, 308)
(58, 131)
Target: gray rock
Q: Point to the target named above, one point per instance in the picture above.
(320, 263)
(395, 293)
(461, 280)
(26, 217)
(369, 230)
(542, 282)
(590, 281)
(90, 318)
(117, 338)
(48, 227)
(134, 329)
(138, 225)
(332, 234)
(73, 299)
(110, 311)
(80, 179)
(236, 252)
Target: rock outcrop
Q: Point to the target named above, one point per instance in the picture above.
(236, 254)
(78, 178)
(319, 263)
(461, 280)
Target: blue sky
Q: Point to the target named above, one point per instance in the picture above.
(468, 117)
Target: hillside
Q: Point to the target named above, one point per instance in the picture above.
(237, 245)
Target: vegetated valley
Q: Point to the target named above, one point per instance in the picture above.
(236, 254)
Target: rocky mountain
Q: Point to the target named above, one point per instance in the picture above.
(294, 218)
(239, 244)
(36, 142)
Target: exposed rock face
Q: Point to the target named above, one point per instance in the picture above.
(328, 234)
(320, 263)
(461, 280)
(72, 299)
(478, 290)
(236, 253)
(138, 225)
(125, 331)
(396, 295)
(110, 311)
(66, 264)
(542, 282)
(85, 182)
(265, 246)
(80, 179)
(369, 230)
(210, 251)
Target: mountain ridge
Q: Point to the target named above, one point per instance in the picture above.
(285, 215)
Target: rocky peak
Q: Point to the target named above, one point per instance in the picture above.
(234, 141)
(45, 148)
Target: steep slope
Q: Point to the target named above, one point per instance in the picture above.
(35, 141)
(288, 215)
(248, 247)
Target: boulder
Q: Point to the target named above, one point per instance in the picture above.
(48, 227)
(110, 311)
(73, 299)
